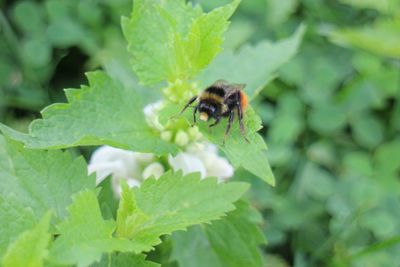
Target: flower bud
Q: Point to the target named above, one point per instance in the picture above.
(181, 138)
(166, 136)
(194, 133)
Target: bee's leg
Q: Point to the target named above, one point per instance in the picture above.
(188, 104)
(217, 119)
(228, 127)
(240, 115)
(194, 115)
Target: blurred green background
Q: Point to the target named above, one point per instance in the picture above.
(332, 117)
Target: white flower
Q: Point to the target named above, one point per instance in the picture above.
(122, 164)
(202, 158)
(117, 162)
(187, 163)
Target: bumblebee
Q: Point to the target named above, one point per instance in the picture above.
(221, 99)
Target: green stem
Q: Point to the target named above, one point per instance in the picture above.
(377, 247)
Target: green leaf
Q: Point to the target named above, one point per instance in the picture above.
(171, 203)
(192, 249)
(102, 113)
(30, 248)
(85, 235)
(29, 17)
(32, 182)
(386, 156)
(252, 65)
(327, 118)
(232, 241)
(36, 52)
(317, 182)
(124, 259)
(205, 36)
(368, 130)
(15, 219)
(172, 40)
(129, 216)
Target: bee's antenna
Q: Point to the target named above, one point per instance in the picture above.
(185, 107)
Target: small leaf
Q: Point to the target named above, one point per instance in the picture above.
(386, 156)
(129, 216)
(327, 118)
(171, 203)
(30, 248)
(102, 113)
(368, 130)
(85, 235)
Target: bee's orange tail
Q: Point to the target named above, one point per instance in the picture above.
(243, 100)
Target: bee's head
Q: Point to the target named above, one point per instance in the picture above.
(207, 111)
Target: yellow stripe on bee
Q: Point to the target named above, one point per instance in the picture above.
(208, 95)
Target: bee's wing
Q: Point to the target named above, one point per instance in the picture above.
(221, 83)
(238, 86)
(234, 88)
(229, 86)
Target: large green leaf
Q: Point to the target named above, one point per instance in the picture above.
(32, 182)
(172, 40)
(232, 241)
(171, 203)
(253, 65)
(85, 235)
(102, 113)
